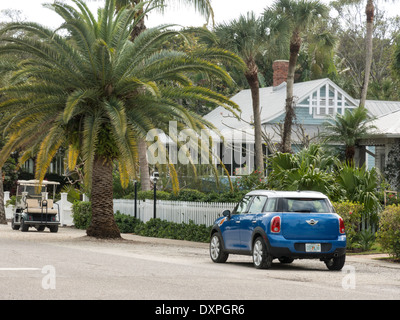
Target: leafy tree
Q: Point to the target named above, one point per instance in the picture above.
(98, 93)
(349, 28)
(291, 18)
(396, 57)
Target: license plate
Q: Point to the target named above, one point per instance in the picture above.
(313, 247)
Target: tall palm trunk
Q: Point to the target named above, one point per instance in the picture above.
(349, 154)
(103, 223)
(143, 163)
(369, 10)
(252, 78)
(144, 166)
(295, 44)
(3, 219)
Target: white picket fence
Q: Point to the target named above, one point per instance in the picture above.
(174, 211)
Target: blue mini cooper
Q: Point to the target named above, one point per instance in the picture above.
(284, 225)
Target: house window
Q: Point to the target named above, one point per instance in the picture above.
(327, 101)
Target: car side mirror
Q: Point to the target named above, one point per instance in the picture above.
(227, 213)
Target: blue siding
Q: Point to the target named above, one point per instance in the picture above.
(303, 116)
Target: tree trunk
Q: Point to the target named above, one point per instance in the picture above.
(3, 219)
(143, 163)
(350, 152)
(103, 223)
(144, 166)
(369, 10)
(252, 78)
(295, 44)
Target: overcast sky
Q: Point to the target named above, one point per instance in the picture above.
(225, 10)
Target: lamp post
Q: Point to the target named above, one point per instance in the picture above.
(154, 178)
(135, 210)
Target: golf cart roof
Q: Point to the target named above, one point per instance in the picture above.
(35, 183)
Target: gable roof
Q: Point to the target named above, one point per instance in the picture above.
(272, 103)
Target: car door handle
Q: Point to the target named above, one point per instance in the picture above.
(237, 221)
(254, 221)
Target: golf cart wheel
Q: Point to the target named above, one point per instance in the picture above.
(24, 227)
(13, 225)
(53, 228)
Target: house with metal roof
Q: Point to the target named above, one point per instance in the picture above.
(315, 102)
(385, 135)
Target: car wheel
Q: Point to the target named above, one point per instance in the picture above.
(336, 264)
(261, 257)
(216, 251)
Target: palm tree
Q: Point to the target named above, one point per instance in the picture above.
(291, 18)
(247, 37)
(97, 92)
(348, 128)
(201, 6)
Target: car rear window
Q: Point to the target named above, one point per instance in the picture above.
(306, 205)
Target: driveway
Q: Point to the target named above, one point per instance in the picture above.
(69, 265)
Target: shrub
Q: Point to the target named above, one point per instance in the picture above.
(189, 195)
(149, 194)
(365, 240)
(171, 230)
(389, 230)
(82, 214)
(192, 195)
(126, 223)
(351, 214)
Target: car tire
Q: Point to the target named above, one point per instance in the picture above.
(217, 253)
(286, 260)
(261, 257)
(336, 263)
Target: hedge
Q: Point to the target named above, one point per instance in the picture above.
(351, 214)
(389, 230)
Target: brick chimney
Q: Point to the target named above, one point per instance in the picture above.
(281, 69)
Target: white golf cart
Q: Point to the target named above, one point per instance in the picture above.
(33, 209)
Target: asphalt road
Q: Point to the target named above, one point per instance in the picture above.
(69, 265)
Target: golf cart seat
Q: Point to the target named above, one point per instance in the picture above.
(34, 206)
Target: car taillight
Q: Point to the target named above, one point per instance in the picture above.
(276, 224)
(342, 229)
